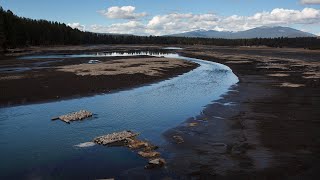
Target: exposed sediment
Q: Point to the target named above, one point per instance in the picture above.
(272, 128)
(128, 139)
(80, 78)
(75, 116)
(116, 137)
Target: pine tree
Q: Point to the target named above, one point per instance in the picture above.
(2, 33)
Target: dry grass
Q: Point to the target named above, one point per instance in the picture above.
(147, 66)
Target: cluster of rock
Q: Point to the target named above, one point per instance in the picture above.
(75, 116)
(128, 139)
(114, 138)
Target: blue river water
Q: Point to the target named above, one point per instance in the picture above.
(33, 146)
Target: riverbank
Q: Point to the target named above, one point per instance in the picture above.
(266, 127)
(36, 80)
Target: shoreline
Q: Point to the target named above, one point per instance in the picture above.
(83, 49)
(264, 126)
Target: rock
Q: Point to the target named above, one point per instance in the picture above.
(80, 115)
(136, 144)
(150, 147)
(128, 139)
(150, 154)
(153, 163)
(178, 139)
(157, 161)
(117, 137)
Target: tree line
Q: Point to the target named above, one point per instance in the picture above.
(18, 31)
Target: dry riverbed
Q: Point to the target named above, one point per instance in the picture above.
(266, 127)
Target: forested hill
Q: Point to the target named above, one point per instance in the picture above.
(19, 32)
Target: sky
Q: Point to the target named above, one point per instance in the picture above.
(160, 17)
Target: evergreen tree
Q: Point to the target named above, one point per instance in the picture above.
(2, 34)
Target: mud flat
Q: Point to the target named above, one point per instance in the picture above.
(58, 78)
(266, 127)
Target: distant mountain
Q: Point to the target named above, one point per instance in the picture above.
(259, 32)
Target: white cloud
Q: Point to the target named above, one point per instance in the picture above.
(182, 22)
(77, 26)
(172, 23)
(124, 12)
(310, 1)
(277, 16)
(131, 27)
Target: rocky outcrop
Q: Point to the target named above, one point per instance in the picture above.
(149, 154)
(115, 138)
(128, 139)
(153, 163)
(75, 116)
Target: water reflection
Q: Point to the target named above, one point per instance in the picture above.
(101, 54)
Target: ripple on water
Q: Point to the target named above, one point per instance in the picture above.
(85, 144)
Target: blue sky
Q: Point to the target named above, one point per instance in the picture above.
(159, 17)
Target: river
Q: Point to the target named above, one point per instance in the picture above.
(33, 146)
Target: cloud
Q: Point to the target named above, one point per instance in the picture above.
(310, 1)
(131, 27)
(77, 26)
(171, 23)
(183, 22)
(124, 12)
(277, 16)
